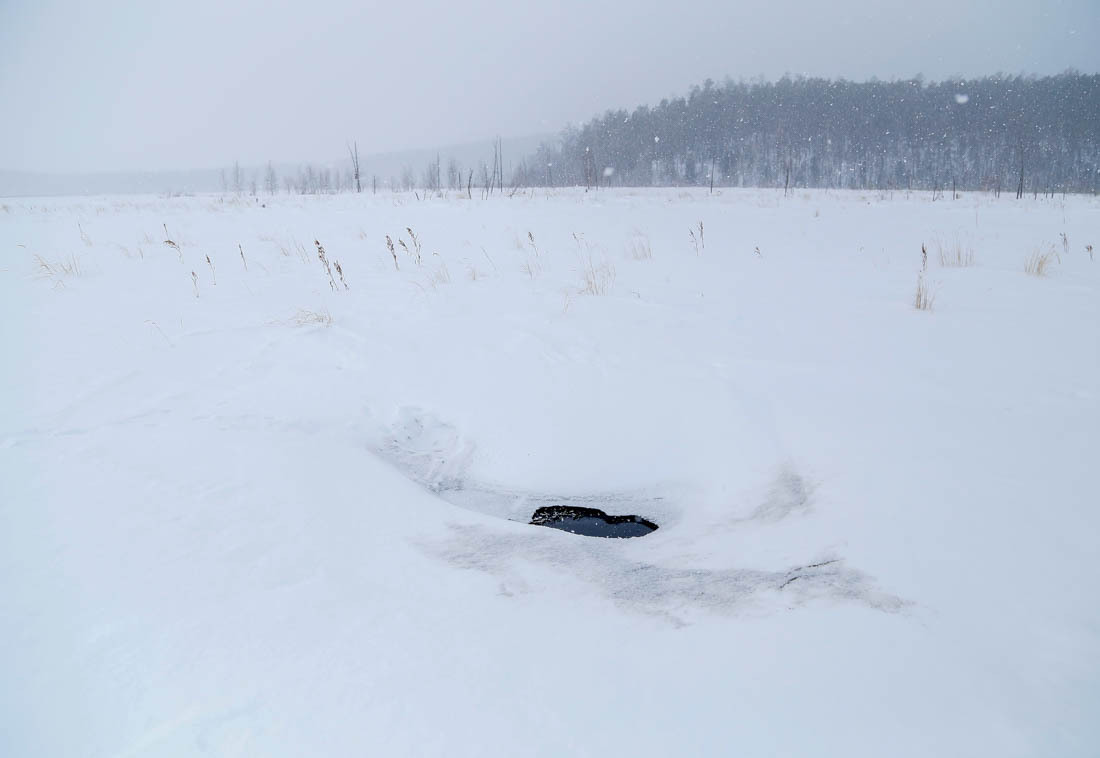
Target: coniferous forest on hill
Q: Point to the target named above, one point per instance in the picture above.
(997, 133)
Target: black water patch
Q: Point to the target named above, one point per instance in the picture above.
(591, 522)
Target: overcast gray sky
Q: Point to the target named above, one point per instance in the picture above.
(132, 85)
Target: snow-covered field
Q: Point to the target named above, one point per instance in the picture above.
(245, 510)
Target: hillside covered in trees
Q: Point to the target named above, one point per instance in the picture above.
(1011, 133)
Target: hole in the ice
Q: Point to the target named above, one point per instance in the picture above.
(591, 522)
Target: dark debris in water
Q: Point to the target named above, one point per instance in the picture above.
(591, 522)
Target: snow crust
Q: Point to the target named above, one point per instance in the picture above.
(281, 517)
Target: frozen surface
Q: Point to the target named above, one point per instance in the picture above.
(274, 516)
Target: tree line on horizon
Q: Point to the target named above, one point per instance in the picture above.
(1012, 133)
(995, 133)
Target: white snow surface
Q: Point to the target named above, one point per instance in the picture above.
(268, 516)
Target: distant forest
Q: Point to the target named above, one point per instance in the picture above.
(998, 133)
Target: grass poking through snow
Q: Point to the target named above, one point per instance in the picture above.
(1038, 262)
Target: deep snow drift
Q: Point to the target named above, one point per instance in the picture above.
(249, 508)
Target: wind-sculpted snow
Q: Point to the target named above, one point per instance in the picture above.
(253, 502)
(788, 494)
(676, 593)
(437, 456)
(429, 451)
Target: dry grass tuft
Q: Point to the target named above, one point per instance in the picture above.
(955, 254)
(298, 249)
(598, 277)
(340, 272)
(924, 298)
(328, 269)
(404, 247)
(416, 245)
(393, 252)
(172, 243)
(532, 268)
(440, 276)
(638, 248)
(1038, 262)
(58, 271)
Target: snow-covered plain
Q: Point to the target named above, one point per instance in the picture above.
(272, 516)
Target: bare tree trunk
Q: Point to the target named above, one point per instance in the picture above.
(1020, 186)
(492, 179)
(354, 153)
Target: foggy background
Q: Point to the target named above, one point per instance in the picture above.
(122, 86)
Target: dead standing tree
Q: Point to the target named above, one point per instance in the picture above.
(1020, 185)
(354, 154)
(271, 180)
(488, 177)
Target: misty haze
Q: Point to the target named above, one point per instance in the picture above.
(578, 378)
